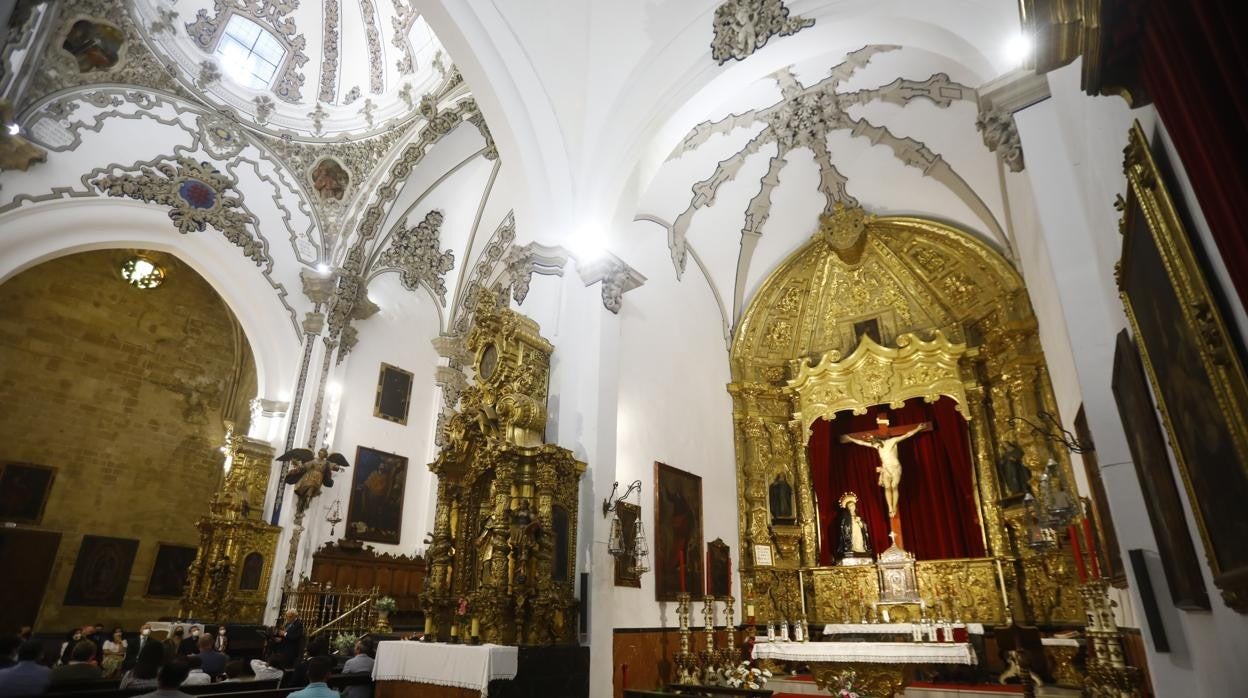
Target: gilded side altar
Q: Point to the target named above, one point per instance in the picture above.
(876, 311)
(503, 553)
(229, 580)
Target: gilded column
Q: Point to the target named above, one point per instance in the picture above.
(806, 493)
(994, 524)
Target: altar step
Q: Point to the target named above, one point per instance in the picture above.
(800, 686)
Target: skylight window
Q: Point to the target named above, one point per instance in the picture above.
(249, 53)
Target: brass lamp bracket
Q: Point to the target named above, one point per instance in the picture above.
(608, 504)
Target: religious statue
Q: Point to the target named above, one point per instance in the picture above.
(523, 537)
(780, 496)
(1014, 476)
(885, 441)
(311, 472)
(852, 540)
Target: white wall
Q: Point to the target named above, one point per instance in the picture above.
(674, 407)
(1073, 146)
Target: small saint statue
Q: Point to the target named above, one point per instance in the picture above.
(780, 497)
(885, 440)
(1012, 473)
(852, 540)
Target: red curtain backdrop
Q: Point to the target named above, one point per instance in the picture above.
(1193, 62)
(939, 517)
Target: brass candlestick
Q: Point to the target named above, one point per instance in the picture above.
(686, 667)
(728, 657)
(708, 620)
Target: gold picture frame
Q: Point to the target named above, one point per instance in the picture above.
(394, 394)
(1193, 365)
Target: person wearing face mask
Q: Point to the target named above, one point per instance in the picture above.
(145, 634)
(190, 645)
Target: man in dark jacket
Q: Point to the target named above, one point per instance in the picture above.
(211, 661)
(290, 638)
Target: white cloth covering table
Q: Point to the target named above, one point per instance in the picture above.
(462, 666)
(868, 652)
(889, 628)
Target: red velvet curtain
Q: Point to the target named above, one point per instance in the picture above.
(1194, 62)
(939, 517)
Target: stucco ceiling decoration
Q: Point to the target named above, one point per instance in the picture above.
(197, 196)
(803, 118)
(744, 26)
(414, 252)
(349, 69)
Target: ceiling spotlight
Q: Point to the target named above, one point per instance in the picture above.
(14, 129)
(323, 268)
(1018, 49)
(589, 246)
(142, 273)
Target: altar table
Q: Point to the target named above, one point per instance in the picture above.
(469, 667)
(868, 652)
(879, 667)
(889, 628)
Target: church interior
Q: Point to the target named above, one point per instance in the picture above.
(572, 348)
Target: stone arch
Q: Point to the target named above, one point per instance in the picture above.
(38, 233)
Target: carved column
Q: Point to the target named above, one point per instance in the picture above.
(806, 499)
(985, 465)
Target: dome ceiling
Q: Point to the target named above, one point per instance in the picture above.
(312, 70)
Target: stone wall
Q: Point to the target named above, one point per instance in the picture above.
(122, 391)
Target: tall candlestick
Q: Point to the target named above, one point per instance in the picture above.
(1005, 595)
(801, 592)
(1074, 548)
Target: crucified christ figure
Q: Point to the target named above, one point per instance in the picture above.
(885, 441)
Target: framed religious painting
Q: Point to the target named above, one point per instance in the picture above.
(1106, 534)
(101, 571)
(718, 569)
(1193, 364)
(677, 533)
(24, 490)
(377, 486)
(394, 393)
(169, 571)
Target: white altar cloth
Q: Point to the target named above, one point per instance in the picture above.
(889, 628)
(463, 666)
(868, 652)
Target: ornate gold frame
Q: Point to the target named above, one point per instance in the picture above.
(955, 320)
(1201, 319)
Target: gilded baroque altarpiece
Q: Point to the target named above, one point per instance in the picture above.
(954, 320)
(502, 558)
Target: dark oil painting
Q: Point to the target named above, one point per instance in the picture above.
(24, 489)
(169, 572)
(101, 571)
(377, 486)
(677, 533)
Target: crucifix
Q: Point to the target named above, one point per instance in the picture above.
(884, 438)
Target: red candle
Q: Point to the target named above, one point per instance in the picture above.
(1074, 548)
(1092, 556)
(708, 572)
(624, 676)
(680, 561)
(730, 575)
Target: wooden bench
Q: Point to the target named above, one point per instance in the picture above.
(267, 688)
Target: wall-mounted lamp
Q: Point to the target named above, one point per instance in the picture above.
(628, 535)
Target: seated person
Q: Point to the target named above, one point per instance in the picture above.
(236, 671)
(146, 667)
(267, 671)
(172, 674)
(213, 661)
(80, 667)
(28, 677)
(196, 675)
(8, 650)
(189, 645)
(317, 671)
(361, 663)
(318, 648)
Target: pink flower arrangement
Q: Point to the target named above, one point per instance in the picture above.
(462, 609)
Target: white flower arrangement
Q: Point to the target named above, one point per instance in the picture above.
(746, 676)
